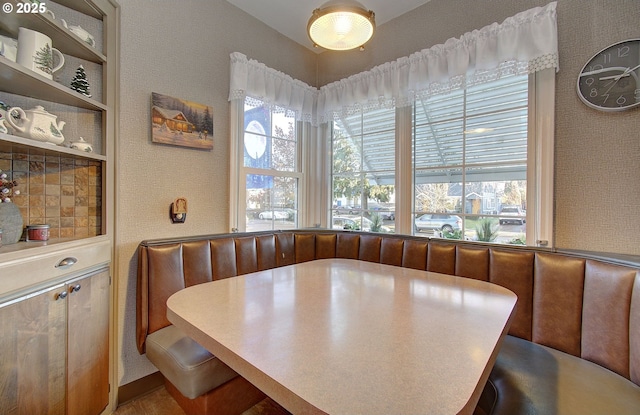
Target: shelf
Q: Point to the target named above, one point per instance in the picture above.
(11, 143)
(63, 39)
(19, 80)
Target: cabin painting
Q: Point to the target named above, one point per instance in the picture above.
(179, 122)
(175, 120)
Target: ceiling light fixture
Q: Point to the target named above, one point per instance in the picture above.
(341, 25)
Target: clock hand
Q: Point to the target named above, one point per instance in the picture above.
(605, 78)
(597, 71)
(617, 77)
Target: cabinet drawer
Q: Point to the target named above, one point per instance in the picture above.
(44, 268)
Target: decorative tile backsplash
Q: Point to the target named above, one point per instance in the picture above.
(64, 192)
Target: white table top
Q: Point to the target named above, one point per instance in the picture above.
(351, 337)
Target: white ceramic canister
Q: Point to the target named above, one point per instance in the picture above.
(36, 53)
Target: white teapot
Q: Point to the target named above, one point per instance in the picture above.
(81, 33)
(36, 124)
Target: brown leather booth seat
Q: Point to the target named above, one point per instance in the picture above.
(574, 344)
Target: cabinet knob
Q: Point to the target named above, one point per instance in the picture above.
(62, 295)
(66, 262)
(76, 288)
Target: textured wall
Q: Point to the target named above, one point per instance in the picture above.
(597, 166)
(181, 49)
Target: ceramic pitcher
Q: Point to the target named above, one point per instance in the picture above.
(36, 53)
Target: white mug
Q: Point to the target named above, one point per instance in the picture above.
(35, 52)
(8, 47)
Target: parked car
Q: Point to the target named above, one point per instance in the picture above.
(355, 224)
(514, 215)
(345, 210)
(270, 214)
(388, 215)
(385, 213)
(438, 221)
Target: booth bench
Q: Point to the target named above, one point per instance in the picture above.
(573, 346)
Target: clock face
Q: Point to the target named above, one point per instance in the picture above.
(610, 81)
(255, 141)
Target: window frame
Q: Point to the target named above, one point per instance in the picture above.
(237, 179)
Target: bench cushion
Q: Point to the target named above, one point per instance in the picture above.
(187, 365)
(533, 379)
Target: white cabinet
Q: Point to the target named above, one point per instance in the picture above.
(54, 348)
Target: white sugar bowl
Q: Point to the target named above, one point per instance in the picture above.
(82, 145)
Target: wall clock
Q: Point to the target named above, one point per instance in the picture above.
(610, 80)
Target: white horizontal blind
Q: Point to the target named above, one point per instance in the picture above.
(373, 136)
(481, 131)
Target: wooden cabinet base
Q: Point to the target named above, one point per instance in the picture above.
(234, 397)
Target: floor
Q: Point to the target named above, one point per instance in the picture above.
(159, 402)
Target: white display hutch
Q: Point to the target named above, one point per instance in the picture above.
(56, 296)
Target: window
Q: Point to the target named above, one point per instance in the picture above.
(478, 167)
(270, 169)
(470, 161)
(363, 171)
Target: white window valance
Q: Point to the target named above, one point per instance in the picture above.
(524, 43)
(274, 89)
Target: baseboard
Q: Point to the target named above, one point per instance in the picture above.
(139, 387)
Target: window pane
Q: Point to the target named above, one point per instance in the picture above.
(284, 155)
(257, 142)
(269, 139)
(470, 162)
(346, 154)
(363, 173)
(284, 142)
(273, 204)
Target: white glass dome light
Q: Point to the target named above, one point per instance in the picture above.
(341, 25)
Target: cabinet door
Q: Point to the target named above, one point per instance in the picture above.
(88, 350)
(32, 354)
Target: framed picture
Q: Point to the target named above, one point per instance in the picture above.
(180, 122)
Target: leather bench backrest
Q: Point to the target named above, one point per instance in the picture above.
(305, 247)
(606, 312)
(369, 249)
(557, 302)
(223, 258)
(391, 250)
(326, 245)
(348, 245)
(634, 332)
(246, 255)
(580, 306)
(285, 249)
(266, 252)
(514, 271)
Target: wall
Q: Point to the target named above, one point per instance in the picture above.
(181, 49)
(597, 166)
